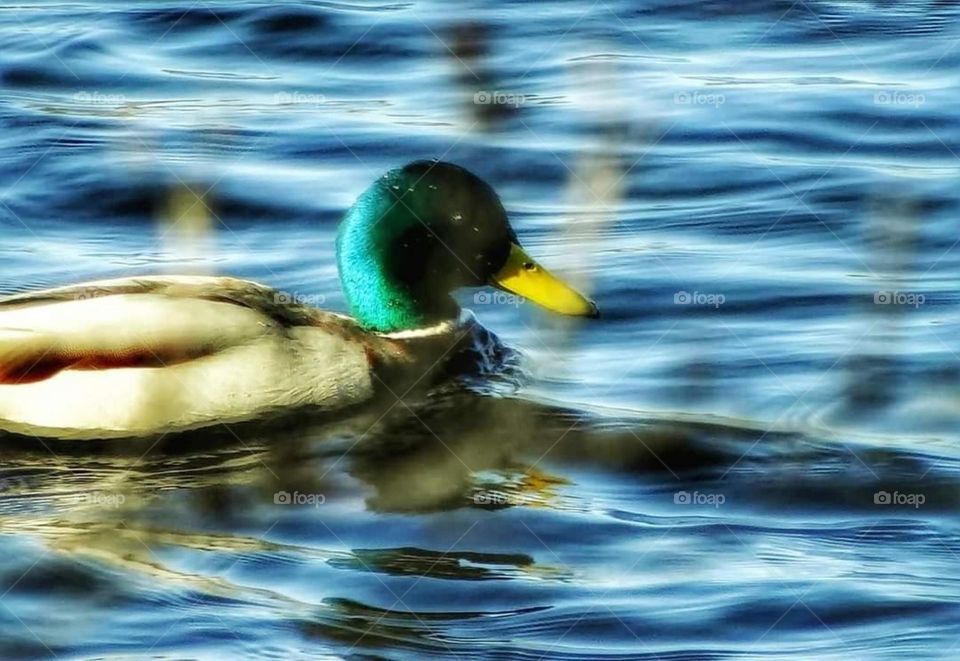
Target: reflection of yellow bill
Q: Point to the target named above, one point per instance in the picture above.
(524, 277)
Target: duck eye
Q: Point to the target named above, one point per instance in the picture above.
(530, 266)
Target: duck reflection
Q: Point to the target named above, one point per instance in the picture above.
(436, 453)
(310, 519)
(136, 517)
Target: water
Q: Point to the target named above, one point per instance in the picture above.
(699, 474)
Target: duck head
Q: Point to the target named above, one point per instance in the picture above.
(424, 230)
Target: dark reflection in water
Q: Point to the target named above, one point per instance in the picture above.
(193, 524)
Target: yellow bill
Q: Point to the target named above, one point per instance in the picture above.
(524, 277)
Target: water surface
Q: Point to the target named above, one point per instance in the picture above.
(753, 453)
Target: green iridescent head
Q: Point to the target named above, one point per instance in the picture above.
(422, 231)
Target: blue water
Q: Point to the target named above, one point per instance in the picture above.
(761, 196)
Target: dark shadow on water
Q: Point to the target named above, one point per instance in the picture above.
(108, 509)
(451, 451)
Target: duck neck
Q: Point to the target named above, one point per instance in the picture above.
(384, 307)
(386, 289)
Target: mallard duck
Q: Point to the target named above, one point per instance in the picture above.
(149, 355)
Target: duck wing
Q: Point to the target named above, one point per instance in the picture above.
(145, 322)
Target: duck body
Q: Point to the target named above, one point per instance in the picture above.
(154, 355)
(163, 354)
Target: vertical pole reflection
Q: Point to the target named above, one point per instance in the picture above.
(890, 235)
